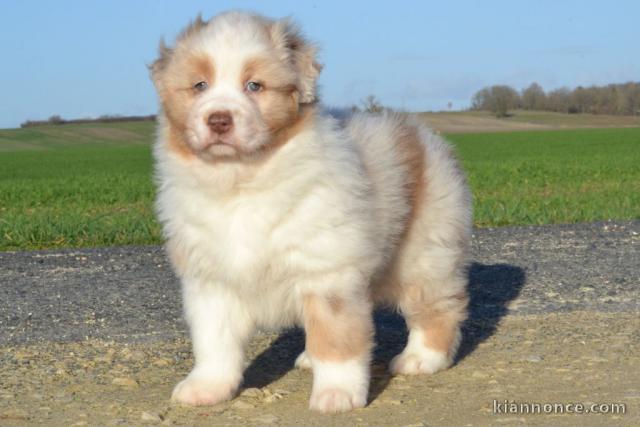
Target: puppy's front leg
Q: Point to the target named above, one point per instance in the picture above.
(219, 327)
(338, 345)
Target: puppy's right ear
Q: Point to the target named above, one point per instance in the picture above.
(156, 69)
(301, 53)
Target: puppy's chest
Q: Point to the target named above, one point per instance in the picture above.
(241, 235)
(237, 240)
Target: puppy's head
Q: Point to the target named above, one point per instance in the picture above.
(230, 85)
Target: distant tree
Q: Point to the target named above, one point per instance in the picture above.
(605, 100)
(533, 97)
(498, 99)
(55, 120)
(371, 105)
(582, 100)
(632, 98)
(481, 99)
(505, 99)
(621, 99)
(558, 100)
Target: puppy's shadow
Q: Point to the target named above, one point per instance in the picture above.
(491, 288)
(274, 362)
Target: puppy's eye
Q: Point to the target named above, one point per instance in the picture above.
(200, 86)
(253, 86)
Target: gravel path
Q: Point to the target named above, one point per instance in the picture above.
(95, 337)
(130, 293)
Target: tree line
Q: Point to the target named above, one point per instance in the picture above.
(617, 99)
(57, 120)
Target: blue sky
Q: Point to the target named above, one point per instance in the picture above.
(87, 58)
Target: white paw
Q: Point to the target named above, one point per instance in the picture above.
(197, 391)
(334, 400)
(426, 361)
(339, 386)
(303, 361)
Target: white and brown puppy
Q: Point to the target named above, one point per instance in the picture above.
(276, 216)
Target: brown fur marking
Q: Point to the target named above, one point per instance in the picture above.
(200, 68)
(175, 87)
(440, 320)
(294, 127)
(271, 73)
(333, 332)
(177, 144)
(440, 332)
(293, 47)
(388, 289)
(177, 256)
(412, 154)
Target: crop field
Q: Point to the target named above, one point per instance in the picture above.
(76, 185)
(91, 184)
(551, 177)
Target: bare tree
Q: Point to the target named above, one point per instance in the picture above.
(371, 105)
(55, 119)
(498, 99)
(621, 99)
(558, 100)
(533, 97)
(481, 99)
(581, 100)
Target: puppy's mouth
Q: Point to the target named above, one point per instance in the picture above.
(217, 142)
(219, 147)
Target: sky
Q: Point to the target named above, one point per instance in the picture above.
(88, 58)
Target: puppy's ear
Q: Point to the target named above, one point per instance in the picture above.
(164, 53)
(158, 66)
(295, 49)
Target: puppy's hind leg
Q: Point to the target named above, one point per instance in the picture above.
(303, 361)
(434, 321)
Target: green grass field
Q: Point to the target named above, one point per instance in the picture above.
(549, 177)
(91, 184)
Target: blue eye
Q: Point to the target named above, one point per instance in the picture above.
(253, 86)
(200, 86)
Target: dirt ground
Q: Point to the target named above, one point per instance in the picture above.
(579, 357)
(94, 337)
(519, 120)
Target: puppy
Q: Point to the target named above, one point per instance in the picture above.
(275, 216)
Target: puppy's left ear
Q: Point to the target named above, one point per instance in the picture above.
(294, 48)
(158, 66)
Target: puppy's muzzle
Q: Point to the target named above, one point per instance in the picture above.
(220, 122)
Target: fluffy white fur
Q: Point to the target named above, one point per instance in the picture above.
(252, 231)
(339, 386)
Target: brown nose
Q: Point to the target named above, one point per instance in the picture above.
(220, 122)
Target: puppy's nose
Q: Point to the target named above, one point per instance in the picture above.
(220, 122)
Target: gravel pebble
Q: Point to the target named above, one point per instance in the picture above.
(479, 374)
(14, 414)
(266, 419)
(150, 417)
(240, 404)
(125, 382)
(252, 392)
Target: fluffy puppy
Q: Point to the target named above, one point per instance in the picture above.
(276, 216)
